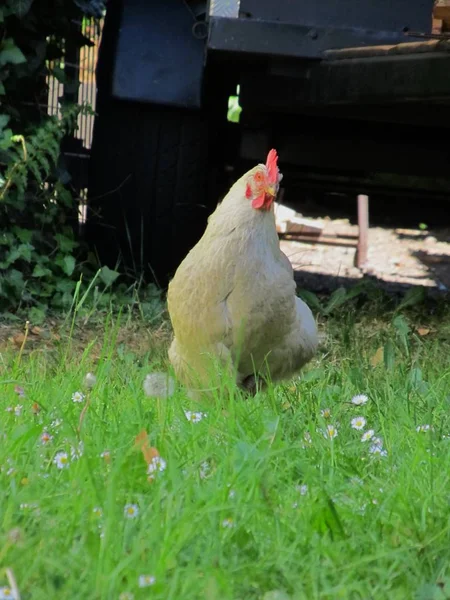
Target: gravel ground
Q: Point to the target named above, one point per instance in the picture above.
(397, 258)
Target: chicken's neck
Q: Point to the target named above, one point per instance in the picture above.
(235, 214)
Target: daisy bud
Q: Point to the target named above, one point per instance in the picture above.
(90, 380)
(159, 385)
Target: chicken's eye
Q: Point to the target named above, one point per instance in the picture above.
(258, 177)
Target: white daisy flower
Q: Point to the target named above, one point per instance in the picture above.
(194, 417)
(361, 510)
(228, 523)
(46, 437)
(330, 432)
(376, 449)
(376, 441)
(358, 423)
(61, 460)
(76, 453)
(204, 470)
(9, 409)
(423, 428)
(302, 489)
(146, 580)
(325, 413)
(97, 511)
(77, 397)
(131, 511)
(157, 464)
(6, 592)
(360, 399)
(307, 441)
(18, 410)
(367, 435)
(356, 481)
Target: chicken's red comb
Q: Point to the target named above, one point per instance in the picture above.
(272, 166)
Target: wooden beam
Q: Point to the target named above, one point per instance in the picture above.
(363, 223)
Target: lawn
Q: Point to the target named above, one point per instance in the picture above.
(336, 485)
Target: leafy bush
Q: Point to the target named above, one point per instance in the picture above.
(38, 216)
(38, 213)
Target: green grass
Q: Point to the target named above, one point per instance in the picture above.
(246, 508)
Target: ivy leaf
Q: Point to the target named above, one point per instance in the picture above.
(66, 286)
(6, 139)
(10, 53)
(15, 279)
(4, 119)
(37, 315)
(65, 244)
(108, 276)
(24, 235)
(68, 265)
(22, 251)
(21, 7)
(40, 271)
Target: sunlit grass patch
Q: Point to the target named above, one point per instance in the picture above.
(334, 485)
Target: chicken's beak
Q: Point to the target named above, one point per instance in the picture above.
(271, 190)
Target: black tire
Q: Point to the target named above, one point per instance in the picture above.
(149, 197)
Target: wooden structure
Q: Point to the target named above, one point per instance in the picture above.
(441, 17)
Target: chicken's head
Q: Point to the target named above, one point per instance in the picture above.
(262, 184)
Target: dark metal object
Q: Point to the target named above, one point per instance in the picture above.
(371, 81)
(352, 147)
(385, 15)
(246, 36)
(429, 36)
(158, 57)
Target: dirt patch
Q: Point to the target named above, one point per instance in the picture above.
(397, 258)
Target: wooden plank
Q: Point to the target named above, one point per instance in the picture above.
(442, 12)
(437, 26)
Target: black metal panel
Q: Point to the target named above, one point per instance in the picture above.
(157, 58)
(280, 39)
(383, 15)
(356, 147)
(368, 81)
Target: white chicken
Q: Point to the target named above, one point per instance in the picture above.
(232, 301)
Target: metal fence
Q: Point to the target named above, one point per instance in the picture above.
(79, 65)
(83, 66)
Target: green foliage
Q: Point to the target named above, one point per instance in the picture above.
(38, 221)
(234, 109)
(39, 251)
(255, 501)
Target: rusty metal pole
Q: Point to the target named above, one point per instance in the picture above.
(363, 224)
